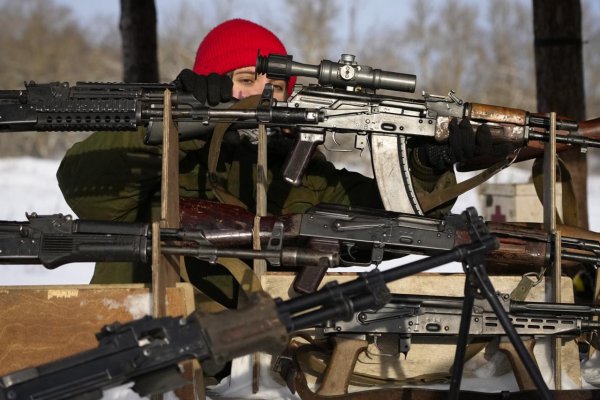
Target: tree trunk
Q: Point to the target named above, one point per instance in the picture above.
(138, 32)
(559, 78)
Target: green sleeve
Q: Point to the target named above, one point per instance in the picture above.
(110, 176)
(323, 183)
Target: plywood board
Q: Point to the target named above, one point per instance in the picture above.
(44, 323)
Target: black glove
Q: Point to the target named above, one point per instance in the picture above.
(212, 89)
(463, 144)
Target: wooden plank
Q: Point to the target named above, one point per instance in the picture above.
(44, 323)
(166, 269)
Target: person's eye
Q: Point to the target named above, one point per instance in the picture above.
(278, 88)
(246, 81)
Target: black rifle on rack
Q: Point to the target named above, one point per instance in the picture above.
(57, 239)
(417, 316)
(142, 350)
(324, 237)
(343, 104)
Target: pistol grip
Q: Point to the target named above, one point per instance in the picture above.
(308, 279)
(301, 154)
(341, 365)
(521, 375)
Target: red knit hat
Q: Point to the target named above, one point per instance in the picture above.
(234, 44)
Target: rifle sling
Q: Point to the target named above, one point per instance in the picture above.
(442, 196)
(215, 150)
(570, 205)
(304, 356)
(315, 365)
(409, 393)
(240, 271)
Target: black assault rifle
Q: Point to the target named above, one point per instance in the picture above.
(57, 239)
(143, 350)
(325, 236)
(406, 316)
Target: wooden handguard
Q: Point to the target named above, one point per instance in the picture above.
(501, 115)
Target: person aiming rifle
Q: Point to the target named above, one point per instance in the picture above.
(115, 176)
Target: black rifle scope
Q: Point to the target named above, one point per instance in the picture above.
(343, 74)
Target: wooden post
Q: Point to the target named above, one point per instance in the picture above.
(259, 266)
(553, 286)
(167, 269)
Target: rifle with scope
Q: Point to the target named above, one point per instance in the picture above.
(343, 102)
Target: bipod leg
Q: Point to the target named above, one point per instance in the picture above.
(487, 289)
(461, 344)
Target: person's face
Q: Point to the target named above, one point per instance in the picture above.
(246, 84)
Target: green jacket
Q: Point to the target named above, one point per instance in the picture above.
(115, 176)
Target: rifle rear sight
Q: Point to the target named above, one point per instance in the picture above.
(345, 74)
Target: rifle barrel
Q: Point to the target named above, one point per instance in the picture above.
(555, 309)
(573, 140)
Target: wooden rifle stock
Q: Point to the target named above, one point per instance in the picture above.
(524, 247)
(527, 245)
(341, 365)
(521, 375)
(531, 148)
(229, 225)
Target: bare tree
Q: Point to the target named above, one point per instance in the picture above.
(46, 43)
(591, 58)
(505, 71)
(559, 74)
(183, 30)
(138, 30)
(43, 42)
(313, 25)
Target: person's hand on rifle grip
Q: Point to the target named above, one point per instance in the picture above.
(464, 144)
(212, 88)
